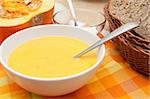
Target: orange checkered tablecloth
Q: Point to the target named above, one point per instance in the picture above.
(114, 80)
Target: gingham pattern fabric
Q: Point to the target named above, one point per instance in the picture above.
(114, 80)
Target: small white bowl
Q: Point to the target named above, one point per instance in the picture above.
(50, 86)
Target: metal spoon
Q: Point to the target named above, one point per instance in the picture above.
(72, 11)
(118, 31)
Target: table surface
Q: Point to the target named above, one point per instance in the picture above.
(114, 79)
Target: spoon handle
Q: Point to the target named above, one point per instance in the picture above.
(71, 8)
(118, 31)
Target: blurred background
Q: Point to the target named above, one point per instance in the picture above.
(96, 5)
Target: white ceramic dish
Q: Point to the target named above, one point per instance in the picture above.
(50, 86)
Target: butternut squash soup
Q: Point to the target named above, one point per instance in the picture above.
(51, 57)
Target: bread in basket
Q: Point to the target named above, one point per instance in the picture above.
(134, 45)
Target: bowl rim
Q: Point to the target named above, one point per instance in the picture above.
(50, 79)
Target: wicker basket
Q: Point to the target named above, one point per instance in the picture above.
(134, 49)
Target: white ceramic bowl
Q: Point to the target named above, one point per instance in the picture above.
(50, 86)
